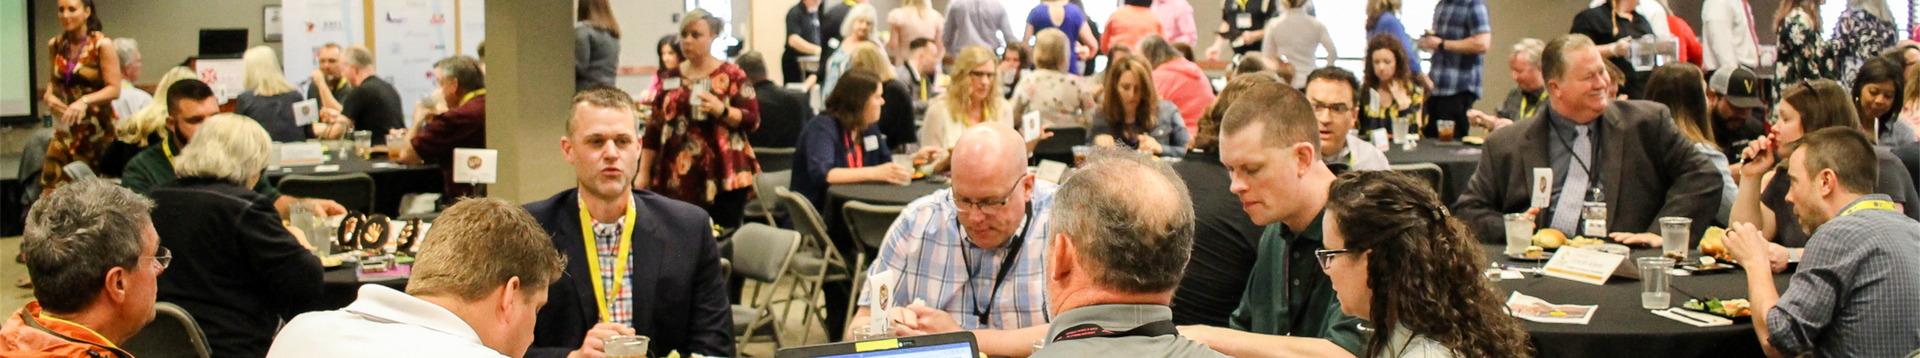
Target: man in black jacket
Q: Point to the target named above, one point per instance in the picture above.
(372, 106)
(782, 111)
(669, 289)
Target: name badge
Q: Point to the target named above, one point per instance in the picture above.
(873, 143)
(834, 43)
(1542, 187)
(670, 84)
(1244, 21)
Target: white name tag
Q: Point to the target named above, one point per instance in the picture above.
(1244, 21)
(1542, 187)
(670, 84)
(1582, 265)
(872, 142)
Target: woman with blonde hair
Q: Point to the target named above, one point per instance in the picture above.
(857, 28)
(971, 99)
(896, 116)
(269, 98)
(913, 20)
(147, 124)
(1061, 98)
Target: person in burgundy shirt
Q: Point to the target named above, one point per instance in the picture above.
(460, 122)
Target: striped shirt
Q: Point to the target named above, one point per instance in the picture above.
(606, 240)
(1454, 73)
(930, 251)
(1853, 295)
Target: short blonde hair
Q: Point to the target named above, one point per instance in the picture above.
(1050, 49)
(858, 13)
(868, 56)
(152, 118)
(227, 146)
(480, 243)
(263, 72)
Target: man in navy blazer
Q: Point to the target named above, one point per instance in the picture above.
(676, 294)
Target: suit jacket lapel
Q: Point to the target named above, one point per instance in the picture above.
(643, 266)
(573, 239)
(1613, 146)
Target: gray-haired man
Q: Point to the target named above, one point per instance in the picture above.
(88, 246)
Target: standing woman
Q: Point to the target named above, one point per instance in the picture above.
(1383, 17)
(1801, 54)
(971, 98)
(1876, 93)
(1864, 29)
(1129, 23)
(1390, 90)
(596, 47)
(896, 116)
(913, 20)
(269, 98)
(696, 147)
(858, 28)
(833, 146)
(1071, 20)
(1131, 115)
(1683, 88)
(85, 81)
(1613, 26)
(669, 51)
(1061, 98)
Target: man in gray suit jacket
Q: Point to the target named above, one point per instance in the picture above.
(1631, 150)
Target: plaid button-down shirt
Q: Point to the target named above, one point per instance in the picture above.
(1853, 295)
(929, 249)
(1454, 73)
(606, 240)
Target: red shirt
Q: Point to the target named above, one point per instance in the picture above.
(464, 126)
(1127, 25)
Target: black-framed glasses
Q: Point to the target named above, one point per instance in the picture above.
(969, 206)
(1326, 256)
(163, 256)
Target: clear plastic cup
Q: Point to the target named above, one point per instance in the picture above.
(1519, 233)
(1655, 274)
(1674, 237)
(1445, 127)
(1080, 155)
(627, 346)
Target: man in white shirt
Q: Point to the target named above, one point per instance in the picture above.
(1333, 93)
(1726, 28)
(481, 276)
(132, 99)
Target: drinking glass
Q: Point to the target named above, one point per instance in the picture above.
(1674, 232)
(1655, 273)
(362, 141)
(1519, 233)
(626, 346)
(1080, 155)
(1446, 130)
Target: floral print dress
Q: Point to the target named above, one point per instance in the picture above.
(72, 78)
(1801, 55)
(697, 158)
(1061, 99)
(1859, 36)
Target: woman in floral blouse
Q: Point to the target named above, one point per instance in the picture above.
(1801, 55)
(1061, 98)
(695, 148)
(81, 90)
(1863, 31)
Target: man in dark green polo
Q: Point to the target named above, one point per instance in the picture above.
(189, 102)
(1270, 144)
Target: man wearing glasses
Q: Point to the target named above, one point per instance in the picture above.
(972, 257)
(1332, 92)
(92, 249)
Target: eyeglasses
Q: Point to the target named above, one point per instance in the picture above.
(966, 205)
(1335, 107)
(164, 257)
(1326, 256)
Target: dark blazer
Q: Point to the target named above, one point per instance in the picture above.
(679, 295)
(782, 113)
(234, 267)
(1649, 171)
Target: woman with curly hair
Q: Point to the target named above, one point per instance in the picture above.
(1394, 254)
(1390, 91)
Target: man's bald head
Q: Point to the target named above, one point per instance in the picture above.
(990, 151)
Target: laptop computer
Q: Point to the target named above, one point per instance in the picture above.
(948, 345)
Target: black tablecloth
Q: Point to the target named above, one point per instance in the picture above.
(882, 194)
(1456, 160)
(342, 286)
(391, 181)
(1620, 328)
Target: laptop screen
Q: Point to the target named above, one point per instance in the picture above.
(950, 350)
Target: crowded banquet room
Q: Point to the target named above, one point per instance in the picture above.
(959, 178)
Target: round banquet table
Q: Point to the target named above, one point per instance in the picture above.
(883, 194)
(340, 286)
(1456, 160)
(1620, 328)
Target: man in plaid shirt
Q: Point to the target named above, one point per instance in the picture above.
(1461, 34)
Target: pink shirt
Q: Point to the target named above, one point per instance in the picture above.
(1181, 82)
(1127, 26)
(1176, 21)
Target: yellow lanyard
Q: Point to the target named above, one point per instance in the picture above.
(165, 148)
(470, 96)
(1870, 205)
(1243, 5)
(103, 338)
(1524, 112)
(923, 91)
(849, 2)
(600, 292)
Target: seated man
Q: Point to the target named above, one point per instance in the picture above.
(669, 289)
(373, 105)
(782, 111)
(1529, 93)
(1120, 238)
(1853, 294)
(241, 273)
(328, 85)
(91, 247)
(1289, 308)
(1630, 150)
(991, 226)
(1334, 94)
(433, 136)
(189, 103)
(474, 294)
(1731, 94)
(1225, 239)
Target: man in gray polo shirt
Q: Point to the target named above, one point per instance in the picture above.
(1122, 230)
(1853, 295)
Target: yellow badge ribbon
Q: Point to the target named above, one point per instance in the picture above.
(600, 292)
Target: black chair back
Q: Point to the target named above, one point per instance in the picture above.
(1059, 147)
(773, 159)
(172, 334)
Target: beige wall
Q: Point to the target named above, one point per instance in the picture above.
(1512, 21)
(529, 77)
(168, 30)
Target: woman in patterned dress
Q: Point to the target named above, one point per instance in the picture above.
(1390, 88)
(1864, 29)
(1800, 55)
(85, 81)
(695, 148)
(1061, 98)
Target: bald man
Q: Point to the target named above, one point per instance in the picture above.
(990, 227)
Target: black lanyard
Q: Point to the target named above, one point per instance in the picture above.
(1089, 330)
(1006, 264)
(1584, 165)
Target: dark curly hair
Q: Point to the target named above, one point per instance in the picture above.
(1425, 267)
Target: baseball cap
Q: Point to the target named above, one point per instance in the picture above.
(1738, 85)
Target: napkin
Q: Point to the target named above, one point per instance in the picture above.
(1696, 319)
